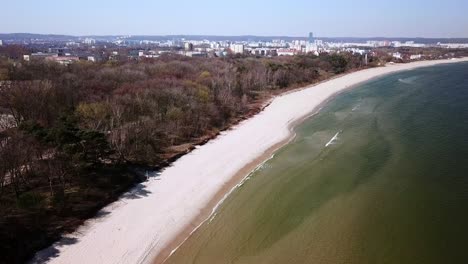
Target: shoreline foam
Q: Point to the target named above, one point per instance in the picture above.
(185, 195)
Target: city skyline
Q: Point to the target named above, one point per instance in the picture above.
(363, 18)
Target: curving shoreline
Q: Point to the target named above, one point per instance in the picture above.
(182, 197)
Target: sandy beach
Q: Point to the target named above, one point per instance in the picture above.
(152, 220)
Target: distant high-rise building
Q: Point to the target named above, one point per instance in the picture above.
(1, 42)
(311, 37)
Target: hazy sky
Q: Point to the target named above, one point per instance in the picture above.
(327, 18)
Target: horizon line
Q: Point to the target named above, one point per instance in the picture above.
(214, 35)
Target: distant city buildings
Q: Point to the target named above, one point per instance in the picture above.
(127, 48)
(412, 44)
(416, 57)
(286, 52)
(397, 55)
(41, 55)
(1, 42)
(453, 45)
(237, 48)
(406, 56)
(63, 60)
(89, 41)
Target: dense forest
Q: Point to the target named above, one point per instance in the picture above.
(73, 137)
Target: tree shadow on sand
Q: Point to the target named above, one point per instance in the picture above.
(45, 255)
(138, 192)
(52, 251)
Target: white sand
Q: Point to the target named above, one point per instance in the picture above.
(135, 229)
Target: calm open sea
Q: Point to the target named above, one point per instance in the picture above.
(380, 175)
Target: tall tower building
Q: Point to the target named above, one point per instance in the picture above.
(311, 37)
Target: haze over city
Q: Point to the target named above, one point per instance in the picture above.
(335, 18)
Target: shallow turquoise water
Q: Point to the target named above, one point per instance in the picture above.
(392, 187)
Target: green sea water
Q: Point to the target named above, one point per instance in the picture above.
(391, 188)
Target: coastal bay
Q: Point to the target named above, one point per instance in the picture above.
(182, 197)
(377, 176)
